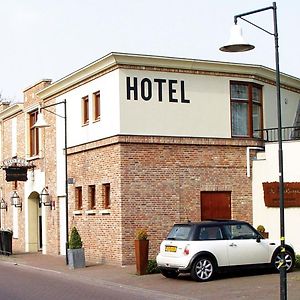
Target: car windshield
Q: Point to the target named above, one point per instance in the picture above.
(179, 232)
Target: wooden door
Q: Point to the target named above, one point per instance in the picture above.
(215, 205)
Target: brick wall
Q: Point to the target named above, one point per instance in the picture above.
(155, 182)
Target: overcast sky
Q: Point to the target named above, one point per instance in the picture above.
(52, 38)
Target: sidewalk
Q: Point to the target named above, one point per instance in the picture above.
(240, 286)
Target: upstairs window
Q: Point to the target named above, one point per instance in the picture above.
(85, 110)
(246, 109)
(96, 105)
(34, 134)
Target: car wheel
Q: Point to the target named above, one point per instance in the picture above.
(169, 273)
(289, 261)
(203, 269)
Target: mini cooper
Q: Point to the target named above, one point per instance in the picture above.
(205, 248)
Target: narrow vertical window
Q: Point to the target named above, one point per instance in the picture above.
(85, 110)
(78, 197)
(34, 134)
(246, 109)
(92, 197)
(96, 105)
(106, 195)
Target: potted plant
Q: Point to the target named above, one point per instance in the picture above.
(261, 229)
(141, 251)
(76, 258)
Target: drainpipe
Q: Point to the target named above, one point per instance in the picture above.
(248, 157)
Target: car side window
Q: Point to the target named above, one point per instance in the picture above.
(240, 231)
(210, 233)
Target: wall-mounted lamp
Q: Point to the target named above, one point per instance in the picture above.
(16, 200)
(3, 204)
(45, 198)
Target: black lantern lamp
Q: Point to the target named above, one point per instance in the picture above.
(45, 198)
(3, 204)
(15, 200)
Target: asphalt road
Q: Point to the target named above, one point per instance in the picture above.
(26, 283)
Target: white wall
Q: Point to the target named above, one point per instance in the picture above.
(267, 171)
(206, 115)
(109, 123)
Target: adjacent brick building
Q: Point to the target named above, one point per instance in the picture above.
(150, 141)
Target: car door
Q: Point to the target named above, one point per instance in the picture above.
(243, 247)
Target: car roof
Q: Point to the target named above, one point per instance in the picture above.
(212, 222)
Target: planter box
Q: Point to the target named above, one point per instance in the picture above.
(76, 258)
(141, 256)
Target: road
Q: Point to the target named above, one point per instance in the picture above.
(19, 282)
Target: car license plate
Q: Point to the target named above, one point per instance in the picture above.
(170, 248)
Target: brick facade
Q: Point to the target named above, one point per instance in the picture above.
(155, 182)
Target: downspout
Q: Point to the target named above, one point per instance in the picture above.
(248, 157)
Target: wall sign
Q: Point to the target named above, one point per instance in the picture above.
(145, 89)
(16, 168)
(291, 194)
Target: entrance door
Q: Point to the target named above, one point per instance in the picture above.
(215, 205)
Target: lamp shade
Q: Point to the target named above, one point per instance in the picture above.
(41, 122)
(236, 41)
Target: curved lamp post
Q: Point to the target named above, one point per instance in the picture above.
(41, 123)
(237, 44)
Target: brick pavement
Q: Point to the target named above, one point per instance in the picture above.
(229, 286)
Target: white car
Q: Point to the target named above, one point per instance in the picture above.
(202, 249)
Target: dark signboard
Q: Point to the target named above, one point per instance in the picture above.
(291, 194)
(16, 174)
(16, 168)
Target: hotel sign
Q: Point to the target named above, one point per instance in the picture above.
(291, 194)
(16, 169)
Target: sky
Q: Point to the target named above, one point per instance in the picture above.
(42, 39)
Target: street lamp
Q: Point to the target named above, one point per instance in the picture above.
(236, 44)
(41, 123)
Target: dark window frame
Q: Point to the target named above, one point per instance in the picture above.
(250, 106)
(106, 190)
(85, 110)
(33, 134)
(78, 197)
(97, 105)
(92, 196)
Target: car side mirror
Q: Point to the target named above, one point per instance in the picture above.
(258, 238)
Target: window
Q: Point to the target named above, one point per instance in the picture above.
(92, 196)
(34, 134)
(78, 197)
(246, 109)
(106, 195)
(85, 110)
(96, 105)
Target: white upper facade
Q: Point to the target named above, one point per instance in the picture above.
(161, 96)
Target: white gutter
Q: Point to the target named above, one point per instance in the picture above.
(248, 157)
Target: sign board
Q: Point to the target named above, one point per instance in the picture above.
(291, 194)
(16, 168)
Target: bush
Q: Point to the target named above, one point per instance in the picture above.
(297, 261)
(75, 239)
(141, 234)
(152, 267)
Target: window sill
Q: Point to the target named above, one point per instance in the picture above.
(77, 212)
(90, 212)
(104, 212)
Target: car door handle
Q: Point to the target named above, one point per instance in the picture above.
(232, 245)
